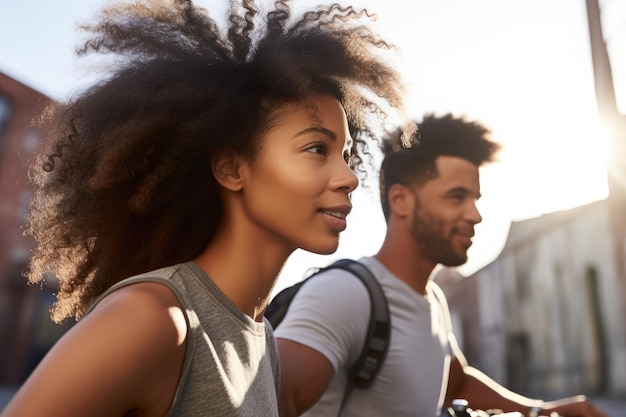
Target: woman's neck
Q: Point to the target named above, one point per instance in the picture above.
(244, 269)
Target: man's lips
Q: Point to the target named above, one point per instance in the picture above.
(465, 237)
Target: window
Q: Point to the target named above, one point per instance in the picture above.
(5, 113)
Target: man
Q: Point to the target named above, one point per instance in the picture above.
(428, 195)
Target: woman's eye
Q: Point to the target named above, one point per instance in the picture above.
(319, 148)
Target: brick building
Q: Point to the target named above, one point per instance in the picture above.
(26, 331)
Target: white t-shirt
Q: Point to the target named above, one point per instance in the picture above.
(330, 314)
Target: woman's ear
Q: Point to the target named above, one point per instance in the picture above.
(227, 170)
(401, 200)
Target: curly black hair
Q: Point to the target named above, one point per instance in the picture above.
(438, 135)
(123, 183)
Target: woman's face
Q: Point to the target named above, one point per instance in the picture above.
(297, 193)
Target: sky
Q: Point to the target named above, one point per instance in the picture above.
(520, 67)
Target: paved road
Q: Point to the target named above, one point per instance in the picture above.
(614, 407)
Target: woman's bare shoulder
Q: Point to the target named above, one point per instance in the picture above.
(124, 355)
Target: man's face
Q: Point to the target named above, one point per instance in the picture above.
(445, 211)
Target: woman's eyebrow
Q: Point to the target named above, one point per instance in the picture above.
(318, 129)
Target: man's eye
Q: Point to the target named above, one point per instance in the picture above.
(458, 197)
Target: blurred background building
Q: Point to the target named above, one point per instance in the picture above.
(26, 331)
(548, 315)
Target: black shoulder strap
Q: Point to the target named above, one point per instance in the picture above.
(364, 370)
(377, 338)
(376, 343)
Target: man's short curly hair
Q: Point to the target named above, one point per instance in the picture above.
(438, 136)
(124, 185)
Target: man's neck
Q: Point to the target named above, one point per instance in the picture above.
(406, 265)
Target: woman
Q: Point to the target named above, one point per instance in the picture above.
(195, 168)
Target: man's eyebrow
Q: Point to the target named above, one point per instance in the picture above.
(463, 190)
(318, 129)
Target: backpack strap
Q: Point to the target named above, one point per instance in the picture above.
(364, 370)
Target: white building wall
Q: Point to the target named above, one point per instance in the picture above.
(491, 287)
(536, 294)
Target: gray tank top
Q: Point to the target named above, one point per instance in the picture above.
(231, 362)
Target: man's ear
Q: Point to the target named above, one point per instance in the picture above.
(227, 170)
(401, 200)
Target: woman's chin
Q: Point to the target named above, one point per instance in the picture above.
(323, 249)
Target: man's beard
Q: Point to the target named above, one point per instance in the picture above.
(428, 233)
